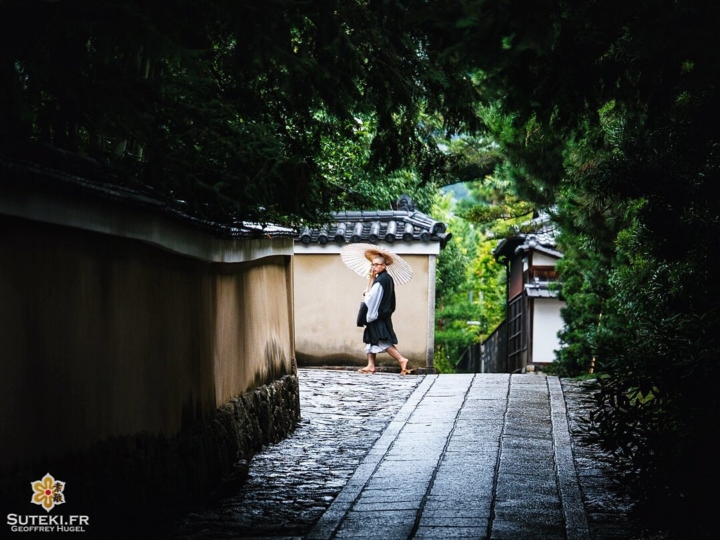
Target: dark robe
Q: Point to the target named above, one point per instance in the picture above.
(381, 329)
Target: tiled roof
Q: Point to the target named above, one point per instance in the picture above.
(540, 290)
(543, 239)
(373, 226)
(539, 242)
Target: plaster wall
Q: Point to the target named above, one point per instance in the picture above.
(547, 322)
(327, 298)
(103, 336)
(541, 259)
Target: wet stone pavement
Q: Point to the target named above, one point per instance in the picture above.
(291, 484)
(607, 505)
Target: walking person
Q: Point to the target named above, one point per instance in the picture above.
(379, 335)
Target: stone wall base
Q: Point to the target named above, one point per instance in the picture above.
(128, 484)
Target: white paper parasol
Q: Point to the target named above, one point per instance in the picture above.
(358, 258)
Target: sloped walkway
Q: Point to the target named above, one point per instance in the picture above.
(430, 456)
(468, 456)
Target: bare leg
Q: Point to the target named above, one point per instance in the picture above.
(370, 368)
(392, 351)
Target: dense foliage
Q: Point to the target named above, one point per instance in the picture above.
(610, 112)
(471, 283)
(267, 111)
(605, 112)
(470, 288)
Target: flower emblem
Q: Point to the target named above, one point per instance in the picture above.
(48, 492)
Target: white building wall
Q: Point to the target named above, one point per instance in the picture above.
(546, 324)
(540, 259)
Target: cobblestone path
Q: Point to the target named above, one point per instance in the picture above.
(290, 484)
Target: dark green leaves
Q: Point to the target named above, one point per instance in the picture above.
(237, 108)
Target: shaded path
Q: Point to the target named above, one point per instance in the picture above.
(494, 464)
(350, 422)
(292, 483)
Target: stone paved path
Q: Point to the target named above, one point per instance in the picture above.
(468, 456)
(607, 507)
(292, 484)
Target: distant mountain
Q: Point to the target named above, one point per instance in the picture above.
(459, 191)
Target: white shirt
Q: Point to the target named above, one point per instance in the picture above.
(372, 300)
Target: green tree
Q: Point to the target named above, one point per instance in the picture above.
(242, 110)
(609, 111)
(470, 286)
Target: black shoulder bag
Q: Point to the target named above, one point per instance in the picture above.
(362, 314)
